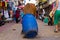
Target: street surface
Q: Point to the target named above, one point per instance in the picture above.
(12, 31)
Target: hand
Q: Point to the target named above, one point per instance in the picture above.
(51, 14)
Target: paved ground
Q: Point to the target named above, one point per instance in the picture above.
(8, 32)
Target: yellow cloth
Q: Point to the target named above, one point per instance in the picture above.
(50, 14)
(44, 0)
(1, 3)
(5, 4)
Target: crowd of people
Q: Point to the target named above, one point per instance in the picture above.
(10, 13)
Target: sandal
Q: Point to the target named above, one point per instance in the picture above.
(55, 31)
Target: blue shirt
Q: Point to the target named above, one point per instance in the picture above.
(21, 14)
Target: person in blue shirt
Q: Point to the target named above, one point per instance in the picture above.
(21, 14)
(14, 11)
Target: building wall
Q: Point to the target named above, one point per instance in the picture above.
(51, 1)
(15, 2)
(30, 1)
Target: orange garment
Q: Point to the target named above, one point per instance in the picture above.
(0, 3)
(3, 4)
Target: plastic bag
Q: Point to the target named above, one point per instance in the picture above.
(46, 20)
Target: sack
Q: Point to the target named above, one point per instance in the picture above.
(46, 20)
(30, 8)
(51, 14)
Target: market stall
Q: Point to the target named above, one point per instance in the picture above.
(47, 5)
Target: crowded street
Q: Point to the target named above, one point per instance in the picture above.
(12, 31)
(29, 19)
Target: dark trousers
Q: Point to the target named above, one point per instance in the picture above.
(17, 20)
(50, 21)
(2, 22)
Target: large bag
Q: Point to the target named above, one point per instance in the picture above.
(29, 26)
(46, 20)
(30, 8)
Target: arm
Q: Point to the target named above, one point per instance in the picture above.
(55, 8)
